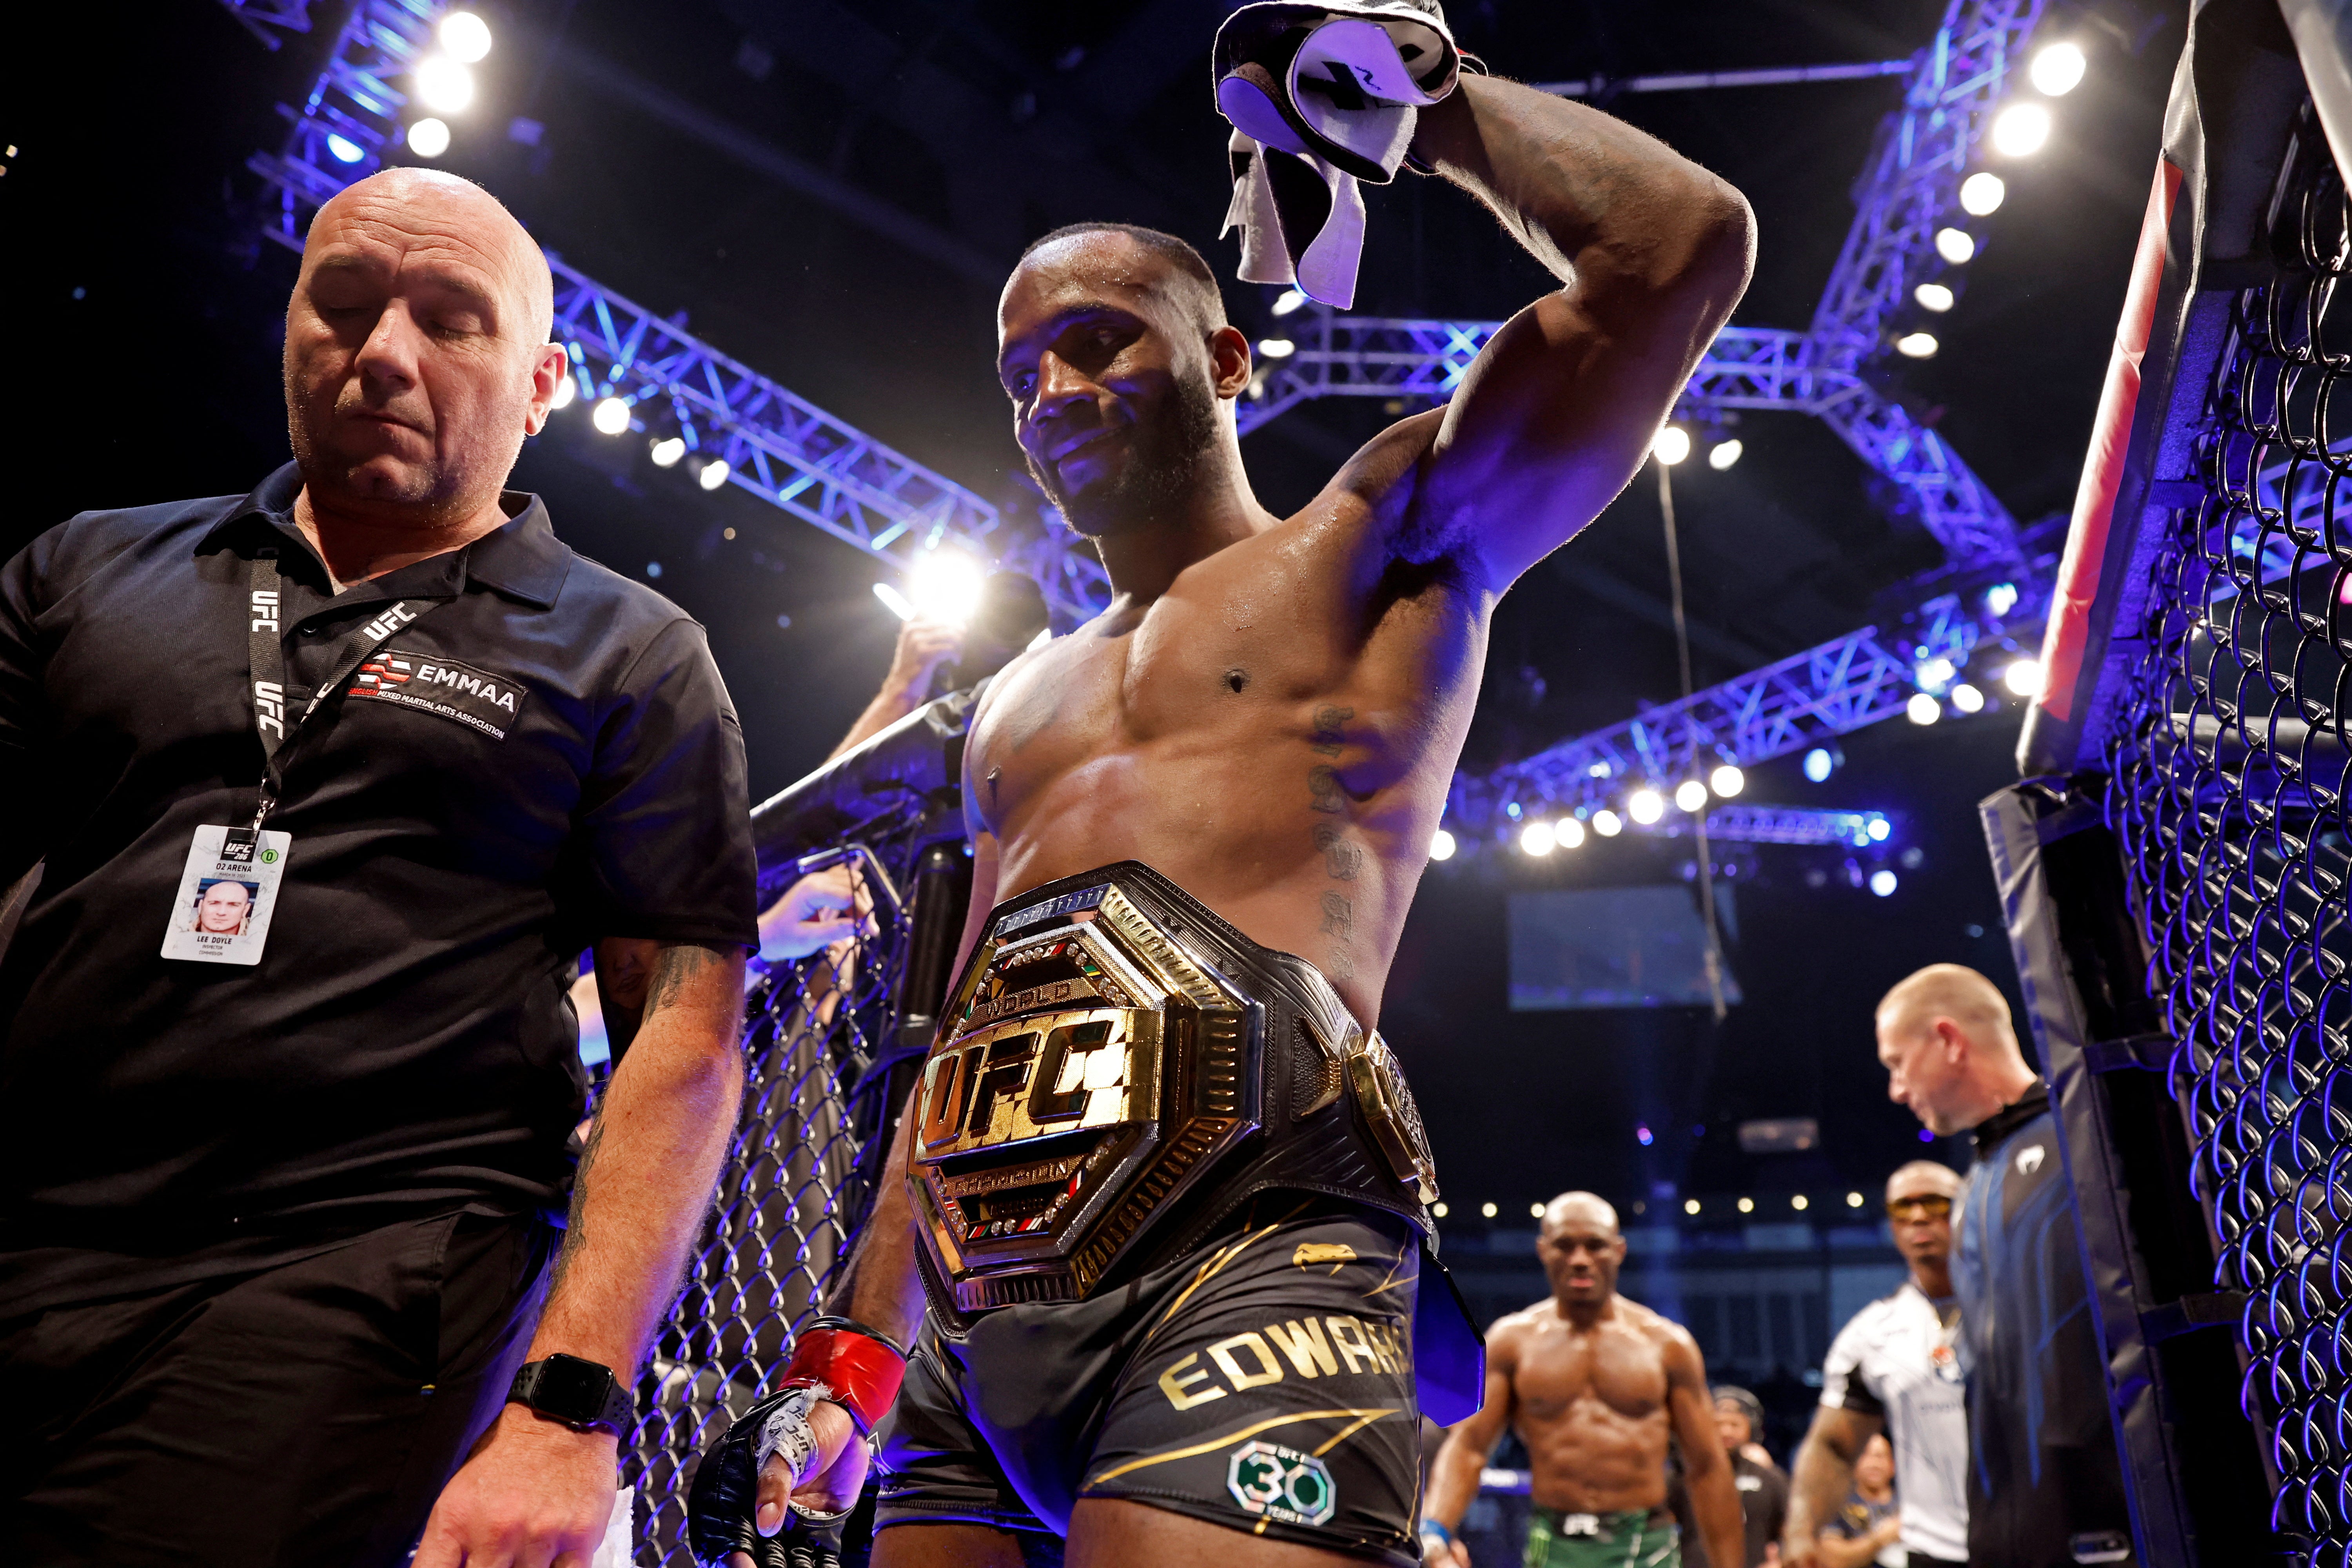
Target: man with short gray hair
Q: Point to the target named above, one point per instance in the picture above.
(277, 1193)
(2046, 1483)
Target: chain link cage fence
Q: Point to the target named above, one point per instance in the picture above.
(2227, 790)
(820, 1036)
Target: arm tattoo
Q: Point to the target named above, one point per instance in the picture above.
(673, 967)
(575, 1230)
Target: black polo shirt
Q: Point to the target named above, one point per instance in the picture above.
(557, 761)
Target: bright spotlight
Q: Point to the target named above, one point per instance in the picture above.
(1723, 454)
(714, 474)
(1981, 193)
(2056, 70)
(1882, 882)
(1799, 1202)
(1671, 446)
(1605, 823)
(1535, 1210)
(1955, 245)
(344, 150)
(2000, 598)
(893, 601)
(465, 36)
(1933, 296)
(2023, 677)
(1690, 795)
(667, 452)
(1878, 829)
(428, 138)
(1291, 300)
(1727, 780)
(1819, 764)
(1441, 845)
(1747, 1206)
(1968, 698)
(1277, 348)
(945, 585)
(1489, 1210)
(565, 391)
(1923, 708)
(1916, 345)
(446, 86)
(1854, 1200)
(1537, 839)
(1690, 1205)
(1935, 672)
(2021, 130)
(1570, 832)
(1438, 1208)
(1645, 806)
(611, 415)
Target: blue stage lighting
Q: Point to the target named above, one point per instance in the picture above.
(1643, 1136)
(1925, 1136)
(1819, 764)
(2000, 598)
(1879, 828)
(345, 150)
(1882, 882)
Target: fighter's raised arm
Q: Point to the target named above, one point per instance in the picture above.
(1558, 410)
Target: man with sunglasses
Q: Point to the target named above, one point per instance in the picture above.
(1894, 1369)
(2045, 1479)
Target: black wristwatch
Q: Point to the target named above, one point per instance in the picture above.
(580, 1394)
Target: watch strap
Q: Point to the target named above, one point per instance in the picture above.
(555, 1388)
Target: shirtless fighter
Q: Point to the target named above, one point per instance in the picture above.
(1155, 1216)
(1596, 1386)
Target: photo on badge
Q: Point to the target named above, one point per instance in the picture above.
(227, 892)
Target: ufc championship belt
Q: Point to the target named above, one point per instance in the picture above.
(1117, 1071)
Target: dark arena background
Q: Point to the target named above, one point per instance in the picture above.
(2051, 307)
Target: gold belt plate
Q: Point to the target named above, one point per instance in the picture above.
(1090, 1070)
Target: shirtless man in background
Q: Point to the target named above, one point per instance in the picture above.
(1596, 1386)
(1267, 717)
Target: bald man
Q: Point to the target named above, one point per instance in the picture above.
(1894, 1369)
(2045, 1479)
(275, 1216)
(1598, 1387)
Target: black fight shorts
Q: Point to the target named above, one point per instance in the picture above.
(1263, 1382)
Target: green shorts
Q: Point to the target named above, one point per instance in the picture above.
(1635, 1539)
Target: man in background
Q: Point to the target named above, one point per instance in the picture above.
(1763, 1486)
(1599, 1388)
(2045, 1480)
(1896, 1370)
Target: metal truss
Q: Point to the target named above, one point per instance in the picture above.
(1734, 823)
(777, 445)
(258, 17)
(1840, 686)
(1911, 187)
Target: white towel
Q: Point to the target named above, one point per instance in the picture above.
(1336, 90)
(618, 1549)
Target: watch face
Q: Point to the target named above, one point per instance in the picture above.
(571, 1388)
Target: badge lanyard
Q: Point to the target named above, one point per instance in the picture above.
(267, 655)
